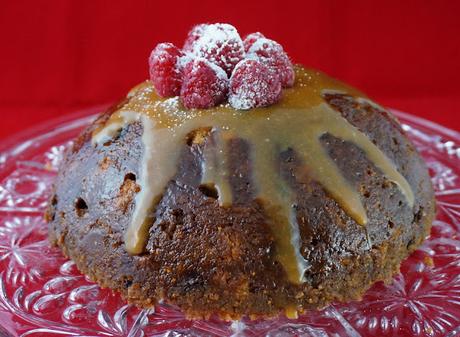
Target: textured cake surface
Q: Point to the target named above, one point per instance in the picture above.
(209, 259)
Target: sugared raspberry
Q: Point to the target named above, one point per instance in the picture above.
(220, 44)
(250, 39)
(204, 85)
(253, 85)
(272, 55)
(165, 73)
(194, 34)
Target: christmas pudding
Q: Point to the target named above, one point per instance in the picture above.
(234, 183)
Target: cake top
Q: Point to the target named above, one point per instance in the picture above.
(216, 65)
(296, 121)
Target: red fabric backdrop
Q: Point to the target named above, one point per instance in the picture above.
(58, 56)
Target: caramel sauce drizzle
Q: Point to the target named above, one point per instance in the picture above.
(298, 121)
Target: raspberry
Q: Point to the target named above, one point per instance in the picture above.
(195, 33)
(204, 85)
(272, 55)
(250, 39)
(164, 70)
(253, 85)
(220, 44)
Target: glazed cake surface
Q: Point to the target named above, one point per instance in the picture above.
(278, 209)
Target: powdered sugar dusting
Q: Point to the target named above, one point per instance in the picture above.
(221, 74)
(250, 39)
(164, 71)
(170, 105)
(263, 44)
(200, 62)
(183, 60)
(205, 85)
(220, 44)
(253, 85)
(272, 54)
(192, 36)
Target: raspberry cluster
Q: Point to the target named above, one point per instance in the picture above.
(215, 65)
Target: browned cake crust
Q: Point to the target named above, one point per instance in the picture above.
(207, 259)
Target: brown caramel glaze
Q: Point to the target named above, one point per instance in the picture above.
(297, 122)
(212, 260)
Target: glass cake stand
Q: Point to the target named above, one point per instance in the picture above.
(43, 294)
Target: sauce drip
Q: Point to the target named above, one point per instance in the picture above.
(297, 122)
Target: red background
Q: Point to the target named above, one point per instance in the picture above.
(60, 56)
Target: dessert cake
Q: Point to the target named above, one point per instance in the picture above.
(234, 183)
